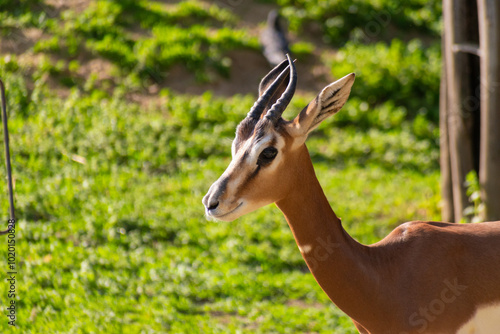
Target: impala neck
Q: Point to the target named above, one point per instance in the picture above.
(339, 264)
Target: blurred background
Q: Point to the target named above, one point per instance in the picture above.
(121, 115)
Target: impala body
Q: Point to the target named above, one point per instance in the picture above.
(424, 277)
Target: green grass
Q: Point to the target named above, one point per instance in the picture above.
(112, 237)
(120, 243)
(364, 20)
(407, 74)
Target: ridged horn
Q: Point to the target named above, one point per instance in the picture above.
(279, 107)
(271, 76)
(262, 102)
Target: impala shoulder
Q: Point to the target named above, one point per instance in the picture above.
(410, 228)
(418, 229)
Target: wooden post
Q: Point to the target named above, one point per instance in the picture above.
(489, 172)
(458, 118)
(447, 213)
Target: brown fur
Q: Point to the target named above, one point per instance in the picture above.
(383, 287)
(424, 277)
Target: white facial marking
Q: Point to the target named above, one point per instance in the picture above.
(244, 162)
(304, 249)
(233, 148)
(257, 148)
(486, 320)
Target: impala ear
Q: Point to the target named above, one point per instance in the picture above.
(331, 99)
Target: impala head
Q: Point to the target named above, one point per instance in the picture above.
(267, 150)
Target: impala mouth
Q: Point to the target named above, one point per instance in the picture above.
(215, 215)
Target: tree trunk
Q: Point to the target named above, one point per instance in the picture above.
(489, 173)
(459, 118)
(447, 213)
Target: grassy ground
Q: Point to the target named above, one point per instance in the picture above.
(111, 158)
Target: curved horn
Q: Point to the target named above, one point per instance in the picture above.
(271, 76)
(263, 100)
(277, 109)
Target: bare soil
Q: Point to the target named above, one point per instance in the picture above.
(247, 66)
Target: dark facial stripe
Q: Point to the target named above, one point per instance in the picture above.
(247, 180)
(251, 176)
(221, 187)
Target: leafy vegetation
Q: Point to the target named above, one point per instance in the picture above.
(141, 40)
(362, 20)
(111, 235)
(406, 68)
(475, 209)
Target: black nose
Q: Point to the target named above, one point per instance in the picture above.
(210, 202)
(213, 205)
(211, 199)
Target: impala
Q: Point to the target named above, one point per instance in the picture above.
(424, 277)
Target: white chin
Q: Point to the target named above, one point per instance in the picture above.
(228, 216)
(236, 213)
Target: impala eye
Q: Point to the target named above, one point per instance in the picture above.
(266, 156)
